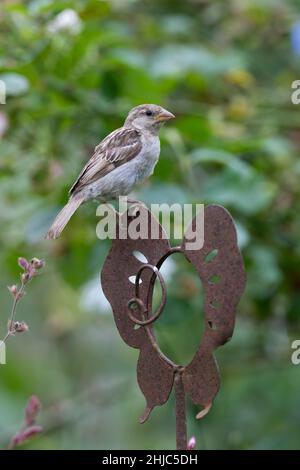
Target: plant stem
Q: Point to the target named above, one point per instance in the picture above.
(16, 300)
(11, 320)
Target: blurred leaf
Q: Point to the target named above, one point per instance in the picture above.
(250, 194)
(207, 155)
(265, 272)
(15, 83)
(179, 59)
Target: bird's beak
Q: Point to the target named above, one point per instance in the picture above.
(164, 115)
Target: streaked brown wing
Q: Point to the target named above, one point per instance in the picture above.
(116, 149)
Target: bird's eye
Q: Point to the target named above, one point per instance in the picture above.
(149, 113)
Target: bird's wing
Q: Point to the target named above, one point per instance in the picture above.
(117, 148)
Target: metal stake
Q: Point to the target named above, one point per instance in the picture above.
(181, 431)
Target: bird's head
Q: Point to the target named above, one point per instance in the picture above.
(148, 117)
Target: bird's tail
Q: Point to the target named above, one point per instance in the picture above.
(63, 217)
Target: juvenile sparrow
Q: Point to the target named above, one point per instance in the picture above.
(125, 158)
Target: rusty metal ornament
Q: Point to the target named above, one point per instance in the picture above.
(223, 280)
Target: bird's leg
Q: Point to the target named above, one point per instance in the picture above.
(133, 201)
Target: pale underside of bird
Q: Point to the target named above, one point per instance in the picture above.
(124, 159)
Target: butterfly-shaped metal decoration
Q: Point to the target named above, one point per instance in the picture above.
(223, 280)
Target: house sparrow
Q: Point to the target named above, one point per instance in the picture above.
(125, 158)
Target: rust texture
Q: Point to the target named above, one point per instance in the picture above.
(220, 267)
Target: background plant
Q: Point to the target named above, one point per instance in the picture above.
(29, 428)
(30, 269)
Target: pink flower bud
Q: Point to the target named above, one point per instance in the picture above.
(37, 263)
(192, 443)
(13, 290)
(23, 263)
(32, 431)
(25, 434)
(32, 410)
(20, 327)
(25, 277)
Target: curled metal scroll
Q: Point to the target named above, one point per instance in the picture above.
(136, 301)
(132, 306)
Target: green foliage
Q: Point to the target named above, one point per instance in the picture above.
(225, 69)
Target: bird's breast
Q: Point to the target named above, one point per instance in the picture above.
(148, 156)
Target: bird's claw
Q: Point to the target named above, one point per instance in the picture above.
(135, 206)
